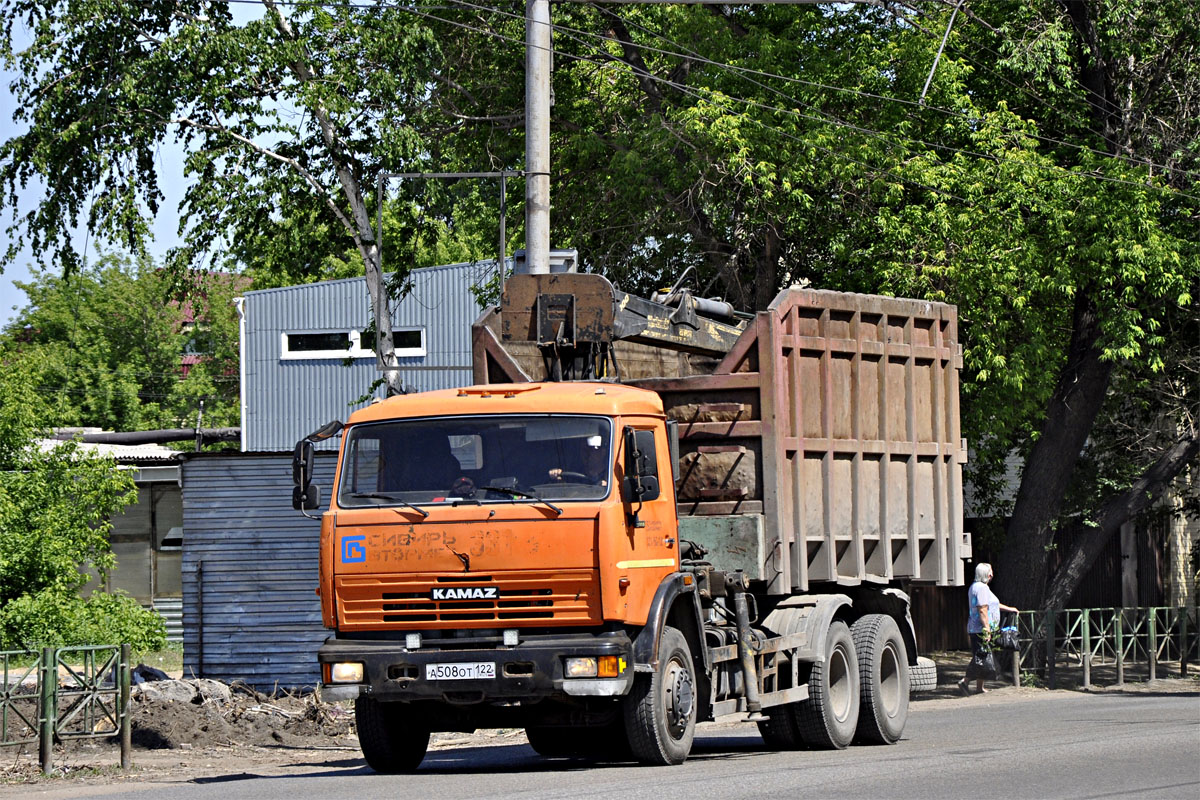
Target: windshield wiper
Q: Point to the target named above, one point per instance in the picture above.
(392, 498)
(523, 493)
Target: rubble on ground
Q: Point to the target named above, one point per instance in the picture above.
(199, 712)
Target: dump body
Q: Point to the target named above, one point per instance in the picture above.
(833, 419)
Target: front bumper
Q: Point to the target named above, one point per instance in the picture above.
(533, 669)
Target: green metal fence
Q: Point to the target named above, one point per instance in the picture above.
(1127, 641)
(65, 693)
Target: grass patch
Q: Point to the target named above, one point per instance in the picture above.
(169, 659)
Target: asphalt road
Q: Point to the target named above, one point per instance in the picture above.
(1045, 745)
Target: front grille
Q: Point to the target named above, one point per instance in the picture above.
(390, 602)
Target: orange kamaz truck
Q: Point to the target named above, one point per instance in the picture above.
(643, 515)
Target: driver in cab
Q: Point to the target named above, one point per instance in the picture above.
(594, 469)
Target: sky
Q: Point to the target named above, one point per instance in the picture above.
(166, 223)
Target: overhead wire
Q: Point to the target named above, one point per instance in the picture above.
(575, 34)
(897, 100)
(684, 52)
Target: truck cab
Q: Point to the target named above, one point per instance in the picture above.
(496, 533)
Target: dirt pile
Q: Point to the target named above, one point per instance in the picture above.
(202, 713)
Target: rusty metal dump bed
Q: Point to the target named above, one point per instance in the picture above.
(834, 416)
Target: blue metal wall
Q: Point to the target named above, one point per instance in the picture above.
(250, 570)
(287, 399)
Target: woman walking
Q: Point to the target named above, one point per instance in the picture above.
(983, 617)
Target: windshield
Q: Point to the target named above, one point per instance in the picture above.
(477, 459)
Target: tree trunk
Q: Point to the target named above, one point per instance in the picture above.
(1118, 510)
(1021, 574)
(366, 239)
(766, 276)
(386, 357)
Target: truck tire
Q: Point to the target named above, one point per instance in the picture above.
(923, 677)
(558, 742)
(883, 679)
(829, 717)
(660, 711)
(600, 743)
(389, 741)
(779, 730)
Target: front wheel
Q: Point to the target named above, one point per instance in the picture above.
(391, 742)
(660, 711)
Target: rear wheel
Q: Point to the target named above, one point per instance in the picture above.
(779, 730)
(660, 711)
(829, 717)
(390, 740)
(883, 679)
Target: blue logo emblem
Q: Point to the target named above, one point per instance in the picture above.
(354, 549)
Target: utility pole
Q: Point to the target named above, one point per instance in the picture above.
(538, 62)
(537, 136)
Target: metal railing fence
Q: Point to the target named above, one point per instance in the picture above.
(77, 693)
(1118, 639)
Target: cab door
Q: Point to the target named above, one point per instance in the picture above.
(642, 542)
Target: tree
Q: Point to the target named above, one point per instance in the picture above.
(300, 113)
(1045, 186)
(1122, 79)
(55, 506)
(109, 342)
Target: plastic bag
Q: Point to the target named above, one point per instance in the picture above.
(982, 666)
(1007, 639)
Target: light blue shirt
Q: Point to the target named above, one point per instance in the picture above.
(980, 595)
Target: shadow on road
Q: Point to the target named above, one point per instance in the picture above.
(509, 758)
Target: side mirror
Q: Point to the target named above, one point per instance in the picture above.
(306, 498)
(640, 484)
(302, 463)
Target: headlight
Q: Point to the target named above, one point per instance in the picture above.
(595, 667)
(581, 668)
(346, 672)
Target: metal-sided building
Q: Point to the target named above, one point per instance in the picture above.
(306, 357)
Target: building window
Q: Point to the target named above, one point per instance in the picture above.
(331, 344)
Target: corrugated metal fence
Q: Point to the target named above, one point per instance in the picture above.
(250, 571)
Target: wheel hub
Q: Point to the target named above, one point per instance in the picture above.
(680, 696)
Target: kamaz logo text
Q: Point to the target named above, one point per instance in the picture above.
(465, 593)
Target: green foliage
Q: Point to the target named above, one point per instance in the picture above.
(1053, 160)
(52, 618)
(55, 505)
(108, 341)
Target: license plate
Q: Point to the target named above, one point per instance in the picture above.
(468, 670)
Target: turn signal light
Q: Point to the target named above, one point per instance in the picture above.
(610, 666)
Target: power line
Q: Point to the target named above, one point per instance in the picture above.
(898, 100)
(575, 34)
